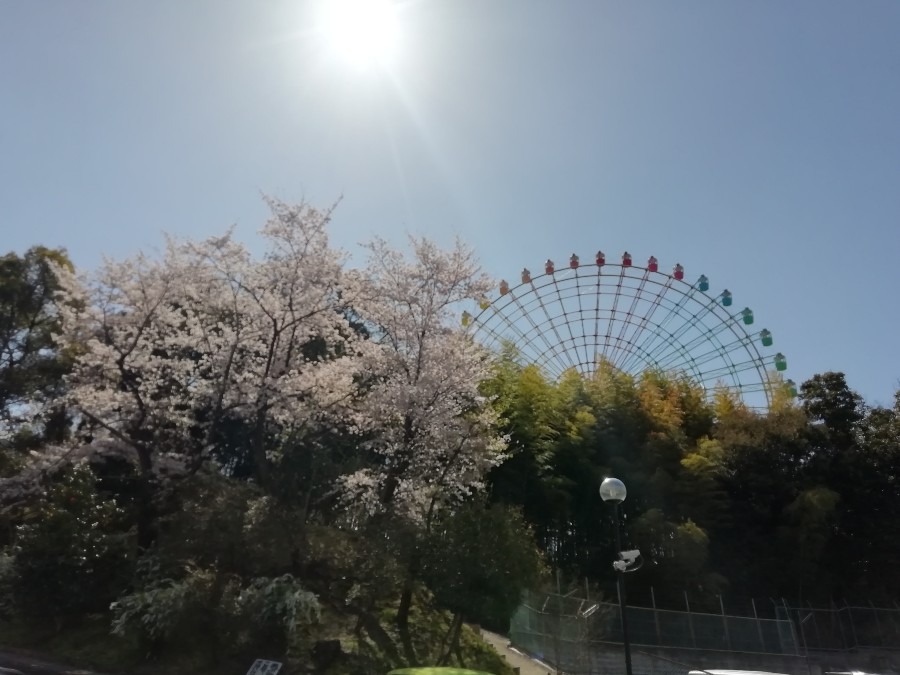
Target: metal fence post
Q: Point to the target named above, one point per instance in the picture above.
(791, 622)
(655, 617)
(724, 621)
(852, 627)
(836, 614)
(690, 620)
(815, 614)
(762, 641)
(557, 631)
(877, 624)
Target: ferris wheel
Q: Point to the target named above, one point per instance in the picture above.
(634, 318)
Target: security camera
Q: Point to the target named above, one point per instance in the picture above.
(627, 561)
(628, 557)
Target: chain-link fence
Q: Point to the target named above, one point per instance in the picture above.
(569, 632)
(557, 629)
(845, 628)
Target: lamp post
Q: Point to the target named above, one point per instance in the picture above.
(613, 490)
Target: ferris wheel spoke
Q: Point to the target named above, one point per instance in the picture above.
(615, 304)
(643, 360)
(565, 313)
(543, 306)
(743, 367)
(661, 340)
(658, 340)
(674, 350)
(557, 350)
(527, 317)
(721, 351)
(646, 318)
(597, 296)
(523, 347)
(636, 297)
(640, 356)
(711, 354)
(742, 339)
(688, 321)
(636, 354)
(584, 330)
(756, 387)
(675, 312)
(719, 360)
(584, 366)
(663, 354)
(706, 334)
(730, 323)
(550, 348)
(675, 308)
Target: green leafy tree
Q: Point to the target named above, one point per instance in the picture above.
(70, 556)
(31, 366)
(828, 400)
(763, 468)
(479, 561)
(807, 526)
(700, 489)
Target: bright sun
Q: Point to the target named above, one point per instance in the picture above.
(364, 32)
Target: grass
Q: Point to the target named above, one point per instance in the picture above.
(437, 671)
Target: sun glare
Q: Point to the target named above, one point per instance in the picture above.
(363, 32)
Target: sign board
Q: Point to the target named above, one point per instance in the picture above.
(261, 667)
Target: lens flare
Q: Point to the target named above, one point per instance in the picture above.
(363, 32)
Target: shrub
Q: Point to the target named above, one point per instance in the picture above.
(69, 557)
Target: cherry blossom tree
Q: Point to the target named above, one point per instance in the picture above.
(176, 349)
(172, 346)
(433, 433)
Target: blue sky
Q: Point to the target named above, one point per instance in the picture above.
(757, 142)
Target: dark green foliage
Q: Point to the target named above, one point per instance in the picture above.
(793, 503)
(70, 555)
(827, 399)
(31, 368)
(478, 560)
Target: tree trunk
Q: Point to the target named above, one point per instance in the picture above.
(447, 639)
(259, 448)
(215, 599)
(56, 425)
(453, 647)
(146, 514)
(406, 600)
(382, 640)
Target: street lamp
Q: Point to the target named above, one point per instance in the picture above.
(613, 490)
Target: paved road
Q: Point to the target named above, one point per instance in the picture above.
(18, 663)
(526, 666)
